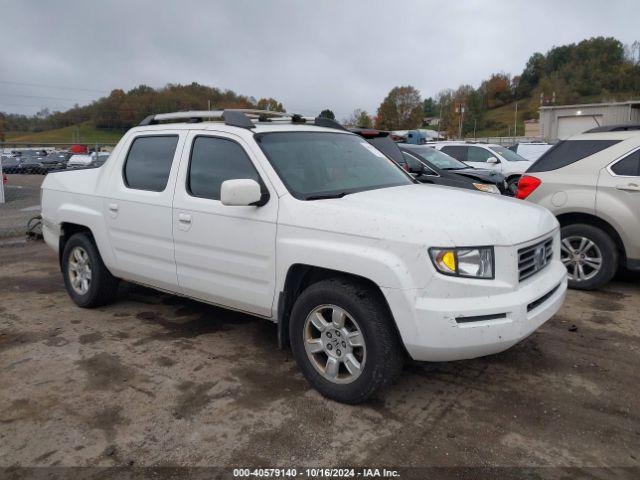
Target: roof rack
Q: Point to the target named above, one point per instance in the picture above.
(236, 117)
(620, 127)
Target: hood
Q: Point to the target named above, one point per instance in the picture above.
(481, 174)
(417, 214)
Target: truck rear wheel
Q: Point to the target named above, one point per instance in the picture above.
(88, 282)
(344, 341)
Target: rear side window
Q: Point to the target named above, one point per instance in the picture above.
(214, 160)
(456, 151)
(149, 162)
(568, 152)
(629, 166)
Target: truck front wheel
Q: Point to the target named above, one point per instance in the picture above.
(88, 282)
(344, 341)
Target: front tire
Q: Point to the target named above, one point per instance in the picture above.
(88, 282)
(344, 341)
(590, 255)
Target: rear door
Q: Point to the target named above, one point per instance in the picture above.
(224, 255)
(137, 208)
(618, 198)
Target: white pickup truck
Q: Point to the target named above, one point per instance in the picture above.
(301, 222)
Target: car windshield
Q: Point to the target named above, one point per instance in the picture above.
(438, 158)
(507, 154)
(316, 165)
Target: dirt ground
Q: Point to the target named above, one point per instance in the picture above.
(157, 380)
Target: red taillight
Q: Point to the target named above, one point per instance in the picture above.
(526, 186)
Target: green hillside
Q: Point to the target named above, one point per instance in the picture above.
(82, 133)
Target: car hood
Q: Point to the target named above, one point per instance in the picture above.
(420, 214)
(480, 174)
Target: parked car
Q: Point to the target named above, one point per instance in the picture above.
(530, 150)
(487, 155)
(88, 161)
(591, 182)
(442, 163)
(10, 163)
(306, 224)
(424, 173)
(31, 161)
(53, 161)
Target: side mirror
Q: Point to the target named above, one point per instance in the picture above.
(493, 160)
(416, 168)
(242, 193)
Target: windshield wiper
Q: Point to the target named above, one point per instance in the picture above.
(323, 196)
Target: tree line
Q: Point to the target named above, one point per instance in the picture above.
(592, 70)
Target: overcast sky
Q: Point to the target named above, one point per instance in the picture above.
(307, 54)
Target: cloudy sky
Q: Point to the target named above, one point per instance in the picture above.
(308, 54)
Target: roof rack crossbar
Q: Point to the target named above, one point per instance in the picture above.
(620, 127)
(244, 118)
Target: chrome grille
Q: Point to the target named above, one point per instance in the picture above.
(534, 258)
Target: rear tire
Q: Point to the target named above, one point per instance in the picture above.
(88, 282)
(366, 349)
(590, 255)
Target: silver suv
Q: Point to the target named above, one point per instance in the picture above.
(591, 182)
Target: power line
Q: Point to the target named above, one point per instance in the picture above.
(42, 85)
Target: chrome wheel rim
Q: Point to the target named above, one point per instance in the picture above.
(581, 257)
(334, 344)
(79, 270)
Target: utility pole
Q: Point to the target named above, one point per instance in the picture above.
(460, 111)
(515, 123)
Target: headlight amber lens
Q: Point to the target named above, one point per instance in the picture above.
(464, 262)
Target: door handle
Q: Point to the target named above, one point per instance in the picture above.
(113, 207)
(184, 218)
(631, 187)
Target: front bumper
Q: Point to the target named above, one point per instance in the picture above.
(463, 327)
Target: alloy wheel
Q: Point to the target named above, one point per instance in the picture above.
(79, 270)
(334, 344)
(581, 257)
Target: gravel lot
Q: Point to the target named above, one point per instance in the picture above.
(157, 380)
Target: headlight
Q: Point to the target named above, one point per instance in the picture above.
(487, 187)
(472, 262)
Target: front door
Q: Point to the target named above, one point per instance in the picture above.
(224, 254)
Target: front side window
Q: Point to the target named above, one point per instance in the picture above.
(149, 162)
(629, 166)
(478, 154)
(567, 152)
(458, 152)
(508, 155)
(315, 165)
(214, 160)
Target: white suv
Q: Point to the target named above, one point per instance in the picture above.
(303, 223)
(488, 155)
(591, 182)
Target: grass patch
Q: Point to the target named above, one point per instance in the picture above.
(82, 133)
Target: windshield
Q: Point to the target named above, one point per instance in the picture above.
(318, 165)
(438, 158)
(508, 155)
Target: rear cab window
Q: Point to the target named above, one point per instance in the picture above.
(567, 152)
(148, 163)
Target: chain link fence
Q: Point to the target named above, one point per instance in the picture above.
(22, 171)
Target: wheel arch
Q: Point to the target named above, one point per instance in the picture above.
(299, 277)
(67, 230)
(573, 218)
